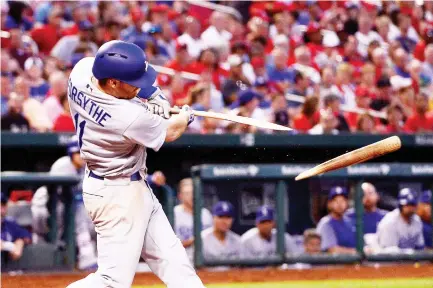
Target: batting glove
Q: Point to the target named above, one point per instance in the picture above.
(158, 104)
(189, 113)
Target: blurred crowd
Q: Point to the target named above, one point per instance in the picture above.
(320, 67)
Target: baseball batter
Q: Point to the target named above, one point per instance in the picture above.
(114, 129)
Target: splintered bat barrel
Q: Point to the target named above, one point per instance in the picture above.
(238, 119)
(363, 154)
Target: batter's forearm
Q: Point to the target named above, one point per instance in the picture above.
(176, 126)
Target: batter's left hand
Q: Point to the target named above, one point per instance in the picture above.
(159, 104)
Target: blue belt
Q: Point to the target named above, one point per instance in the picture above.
(134, 177)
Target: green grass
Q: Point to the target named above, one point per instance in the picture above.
(367, 283)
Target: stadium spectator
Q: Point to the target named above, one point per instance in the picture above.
(247, 105)
(280, 73)
(312, 242)
(38, 86)
(5, 92)
(363, 100)
(384, 94)
(64, 122)
(327, 85)
(424, 212)
(13, 120)
(395, 119)
(134, 33)
(216, 35)
(301, 87)
(208, 60)
(372, 214)
(33, 110)
(327, 124)
(337, 230)
(13, 237)
(427, 65)
(401, 63)
(65, 48)
(261, 241)
(419, 121)
(52, 104)
(199, 100)
(183, 216)
(404, 23)
(309, 116)
(365, 34)
(191, 37)
(401, 228)
(219, 242)
(404, 93)
(332, 102)
(18, 49)
(278, 110)
(343, 81)
(351, 54)
(366, 124)
(305, 65)
(382, 25)
(368, 80)
(48, 34)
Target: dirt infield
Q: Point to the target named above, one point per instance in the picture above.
(240, 275)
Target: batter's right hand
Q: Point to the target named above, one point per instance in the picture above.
(188, 112)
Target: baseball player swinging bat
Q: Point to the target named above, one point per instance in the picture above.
(363, 154)
(237, 119)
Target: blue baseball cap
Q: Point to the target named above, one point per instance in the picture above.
(85, 25)
(73, 146)
(406, 197)
(246, 96)
(425, 197)
(223, 208)
(336, 191)
(264, 213)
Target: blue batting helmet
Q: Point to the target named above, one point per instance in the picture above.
(73, 146)
(125, 62)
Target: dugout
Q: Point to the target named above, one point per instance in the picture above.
(249, 186)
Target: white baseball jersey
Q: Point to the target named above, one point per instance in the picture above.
(393, 231)
(183, 225)
(254, 246)
(113, 133)
(214, 249)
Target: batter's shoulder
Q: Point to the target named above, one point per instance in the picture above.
(64, 166)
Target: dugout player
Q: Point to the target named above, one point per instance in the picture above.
(261, 241)
(337, 231)
(372, 214)
(401, 228)
(219, 242)
(69, 165)
(424, 212)
(312, 242)
(183, 216)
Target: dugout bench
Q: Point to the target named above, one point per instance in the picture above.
(283, 175)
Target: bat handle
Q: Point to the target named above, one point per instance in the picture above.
(174, 110)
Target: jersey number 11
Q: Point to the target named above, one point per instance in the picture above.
(81, 126)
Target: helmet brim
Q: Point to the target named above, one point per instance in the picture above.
(145, 81)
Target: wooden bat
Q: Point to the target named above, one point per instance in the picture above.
(237, 119)
(363, 154)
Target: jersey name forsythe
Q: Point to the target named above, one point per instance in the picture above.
(93, 109)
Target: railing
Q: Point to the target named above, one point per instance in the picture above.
(19, 140)
(284, 174)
